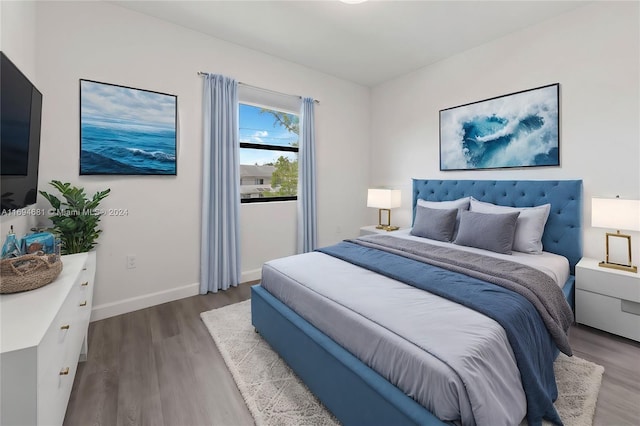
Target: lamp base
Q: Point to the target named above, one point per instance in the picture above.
(628, 268)
(388, 227)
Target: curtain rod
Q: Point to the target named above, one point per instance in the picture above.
(262, 88)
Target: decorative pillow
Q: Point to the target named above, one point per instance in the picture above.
(435, 224)
(530, 225)
(487, 231)
(461, 204)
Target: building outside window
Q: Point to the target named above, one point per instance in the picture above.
(268, 154)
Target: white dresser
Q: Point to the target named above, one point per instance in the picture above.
(43, 335)
(608, 299)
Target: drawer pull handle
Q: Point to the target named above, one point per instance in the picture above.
(64, 371)
(84, 284)
(65, 327)
(84, 303)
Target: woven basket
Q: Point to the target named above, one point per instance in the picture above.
(28, 272)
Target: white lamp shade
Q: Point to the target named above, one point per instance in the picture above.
(614, 213)
(384, 198)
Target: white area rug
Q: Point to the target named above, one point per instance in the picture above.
(275, 396)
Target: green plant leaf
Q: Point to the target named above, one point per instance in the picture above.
(76, 218)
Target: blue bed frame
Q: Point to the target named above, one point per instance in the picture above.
(352, 391)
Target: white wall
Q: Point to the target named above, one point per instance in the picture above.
(104, 42)
(259, 236)
(593, 52)
(18, 42)
(18, 35)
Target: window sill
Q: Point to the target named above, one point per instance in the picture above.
(266, 200)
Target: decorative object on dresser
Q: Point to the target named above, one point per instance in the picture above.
(44, 335)
(75, 220)
(28, 272)
(29, 262)
(608, 299)
(496, 132)
(384, 200)
(618, 214)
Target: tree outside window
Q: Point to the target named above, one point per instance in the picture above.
(268, 154)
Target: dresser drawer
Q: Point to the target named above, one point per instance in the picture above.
(59, 351)
(51, 350)
(80, 321)
(621, 317)
(609, 282)
(87, 277)
(54, 389)
(56, 381)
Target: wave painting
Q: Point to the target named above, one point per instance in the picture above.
(126, 131)
(517, 130)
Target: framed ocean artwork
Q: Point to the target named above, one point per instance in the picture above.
(516, 130)
(126, 131)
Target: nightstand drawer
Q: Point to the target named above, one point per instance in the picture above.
(608, 313)
(609, 282)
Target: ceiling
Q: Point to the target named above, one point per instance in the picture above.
(367, 43)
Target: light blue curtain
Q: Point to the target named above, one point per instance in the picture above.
(307, 215)
(220, 244)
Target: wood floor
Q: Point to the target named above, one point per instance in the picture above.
(159, 366)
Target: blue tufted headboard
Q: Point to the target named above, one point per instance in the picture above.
(563, 232)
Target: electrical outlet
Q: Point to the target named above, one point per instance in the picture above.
(131, 261)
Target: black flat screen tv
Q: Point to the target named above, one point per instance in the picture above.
(20, 119)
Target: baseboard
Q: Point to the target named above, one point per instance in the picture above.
(252, 275)
(108, 310)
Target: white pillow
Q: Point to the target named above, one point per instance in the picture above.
(460, 204)
(529, 227)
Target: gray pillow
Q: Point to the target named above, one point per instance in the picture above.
(460, 204)
(435, 224)
(494, 232)
(530, 225)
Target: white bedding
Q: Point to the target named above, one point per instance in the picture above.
(554, 265)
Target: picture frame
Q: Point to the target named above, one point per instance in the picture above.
(127, 131)
(520, 129)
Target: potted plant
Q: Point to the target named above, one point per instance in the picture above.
(75, 219)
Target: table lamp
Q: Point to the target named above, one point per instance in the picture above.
(618, 214)
(384, 200)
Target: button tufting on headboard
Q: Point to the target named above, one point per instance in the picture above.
(563, 232)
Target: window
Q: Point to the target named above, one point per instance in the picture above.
(268, 154)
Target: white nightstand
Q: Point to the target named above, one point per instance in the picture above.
(370, 230)
(608, 299)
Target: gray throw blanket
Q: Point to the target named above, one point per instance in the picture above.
(534, 285)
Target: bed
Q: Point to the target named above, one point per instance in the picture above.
(289, 318)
